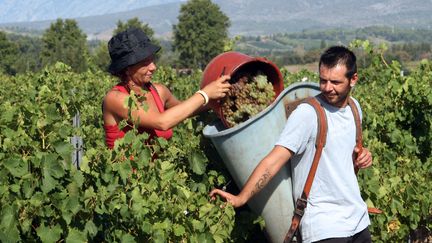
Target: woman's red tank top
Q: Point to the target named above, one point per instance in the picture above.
(112, 132)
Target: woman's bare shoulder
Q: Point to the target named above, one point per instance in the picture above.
(163, 91)
(161, 87)
(113, 97)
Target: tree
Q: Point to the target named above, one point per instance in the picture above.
(65, 42)
(29, 49)
(323, 44)
(101, 56)
(200, 34)
(8, 53)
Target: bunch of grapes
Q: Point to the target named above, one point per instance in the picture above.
(249, 96)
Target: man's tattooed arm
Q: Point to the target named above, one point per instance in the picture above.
(261, 182)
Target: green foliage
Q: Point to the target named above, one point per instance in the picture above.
(230, 43)
(405, 46)
(201, 33)
(126, 194)
(28, 57)
(398, 130)
(65, 42)
(8, 53)
(130, 194)
(101, 57)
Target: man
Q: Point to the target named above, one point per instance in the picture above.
(335, 211)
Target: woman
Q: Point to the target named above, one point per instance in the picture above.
(132, 60)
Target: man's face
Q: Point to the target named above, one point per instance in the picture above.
(334, 85)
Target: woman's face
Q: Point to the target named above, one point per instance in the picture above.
(142, 72)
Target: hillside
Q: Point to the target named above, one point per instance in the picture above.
(19, 11)
(275, 16)
(257, 17)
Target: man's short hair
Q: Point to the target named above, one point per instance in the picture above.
(339, 55)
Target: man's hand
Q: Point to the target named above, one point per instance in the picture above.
(364, 158)
(230, 198)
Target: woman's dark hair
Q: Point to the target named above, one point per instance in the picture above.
(120, 75)
(339, 55)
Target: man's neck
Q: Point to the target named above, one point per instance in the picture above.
(335, 106)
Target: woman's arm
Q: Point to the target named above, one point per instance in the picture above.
(171, 100)
(114, 103)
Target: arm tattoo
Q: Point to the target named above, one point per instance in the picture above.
(261, 182)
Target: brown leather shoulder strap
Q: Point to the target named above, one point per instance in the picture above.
(357, 120)
(359, 142)
(320, 141)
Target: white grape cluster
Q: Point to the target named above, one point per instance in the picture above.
(249, 96)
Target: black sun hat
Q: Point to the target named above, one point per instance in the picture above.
(129, 47)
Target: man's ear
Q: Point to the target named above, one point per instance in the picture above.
(353, 80)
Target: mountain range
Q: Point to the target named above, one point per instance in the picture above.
(248, 17)
(37, 10)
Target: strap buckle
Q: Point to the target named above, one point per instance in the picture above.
(301, 204)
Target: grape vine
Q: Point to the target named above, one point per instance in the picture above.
(44, 198)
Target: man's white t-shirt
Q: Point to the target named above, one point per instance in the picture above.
(335, 207)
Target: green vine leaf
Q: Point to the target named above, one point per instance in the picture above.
(49, 234)
(8, 224)
(198, 163)
(76, 236)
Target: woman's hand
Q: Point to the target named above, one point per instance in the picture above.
(230, 198)
(218, 88)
